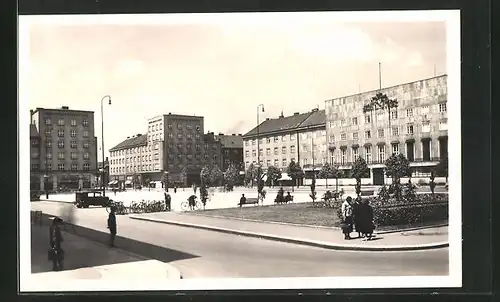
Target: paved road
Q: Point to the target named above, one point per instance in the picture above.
(222, 255)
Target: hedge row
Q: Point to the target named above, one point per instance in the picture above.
(423, 210)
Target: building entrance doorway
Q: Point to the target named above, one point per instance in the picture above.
(378, 176)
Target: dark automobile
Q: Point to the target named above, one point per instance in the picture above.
(91, 198)
(34, 196)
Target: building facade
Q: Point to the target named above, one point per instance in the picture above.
(231, 150)
(63, 149)
(277, 142)
(130, 160)
(417, 128)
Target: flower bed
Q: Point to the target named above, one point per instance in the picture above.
(423, 210)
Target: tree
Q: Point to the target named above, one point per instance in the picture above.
(230, 176)
(273, 174)
(326, 172)
(205, 176)
(295, 172)
(250, 174)
(216, 175)
(442, 167)
(396, 167)
(432, 184)
(386, 103)
(183, 176)
(359, 170)
(313, 190)
(336, 173)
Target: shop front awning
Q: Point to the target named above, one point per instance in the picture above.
(113, 182)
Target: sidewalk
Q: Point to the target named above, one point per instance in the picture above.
(86, 259)
(320, 237)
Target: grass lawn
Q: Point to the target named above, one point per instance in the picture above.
(296, 213)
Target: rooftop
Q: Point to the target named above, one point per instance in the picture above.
(135, 141)
(62, 109)
(286, 123)
(231, 141)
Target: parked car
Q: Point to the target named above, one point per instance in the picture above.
(35, 196)
(91, 198)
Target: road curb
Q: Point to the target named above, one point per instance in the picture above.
(314, 226)
(300, 241)
(101, 238)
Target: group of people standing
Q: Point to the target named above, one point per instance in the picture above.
(357, 215)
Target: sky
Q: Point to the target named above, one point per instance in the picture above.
(222, 71)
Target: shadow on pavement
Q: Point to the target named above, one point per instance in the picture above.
(87, 247)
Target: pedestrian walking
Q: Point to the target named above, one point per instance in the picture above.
(356, 213)
(56, 253)
(366, 219)
(168, 202)
(175, 189)
(47, 194)
(347, 212)
(112, 226)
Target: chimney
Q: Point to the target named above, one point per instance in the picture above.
(65, 107)
(296, 113)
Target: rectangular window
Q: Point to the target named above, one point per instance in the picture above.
(304, 162)
(86, 166)
(381, 133)
(72, 133)
(86, 155)
(343, 123)
(283, 163)
(72, 144)
(425, 109)
(261, 141)
(254, 142)
(292, 137)
(276, 151)
(48, 144)
(305, 136)
(247, 153)
(60, 132)
(394, 114)
(395, 131)
(381, 153)
(426, 127)
(368, 134)
(395, 149)
(343, 137)
(330, 124)
(85, 123)
(74, 155)
(254, 153)
(268, 163)
(409, 112)
(276, 139)
(368, 119)
(355, 153)
(85, 133)
(261, 152)
(60, 167)
(354, 121)
(292, 149)
(283, 150)
(355, 136)
(86, 145)
(48, 132)
(268, 140)
(268, 151)
(74, 167)
(442, 107)
(332, 139)
(60, 122)
(409, 129)
(60, 155)
(60, 144)
(368, 154)
(179, 126)
(48, 121)
(304, 148)
(443, 125)
(343, 153)
(73, 122)
(283, 138)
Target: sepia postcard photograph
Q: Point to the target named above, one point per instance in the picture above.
(240, 151)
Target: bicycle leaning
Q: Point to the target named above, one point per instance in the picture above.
(191, 204)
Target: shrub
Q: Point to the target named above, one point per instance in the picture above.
(409, 192)
(383, 193)
(421, 182)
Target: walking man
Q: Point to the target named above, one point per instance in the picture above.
(56, 253)
(112, 226)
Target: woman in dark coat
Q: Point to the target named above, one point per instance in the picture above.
(357, 209)
(366, 217)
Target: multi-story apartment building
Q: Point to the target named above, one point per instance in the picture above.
(130, 160)
(232, 150)
(276, 142)
(65, 152)
(417, 128)
(212, 150)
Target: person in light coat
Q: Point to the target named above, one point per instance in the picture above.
(347, 212)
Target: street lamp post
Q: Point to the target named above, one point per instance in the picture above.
(258, 149)
(102, 142)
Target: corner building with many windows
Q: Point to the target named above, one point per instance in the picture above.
(63, 149)
(417, 128)
(300, 138)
